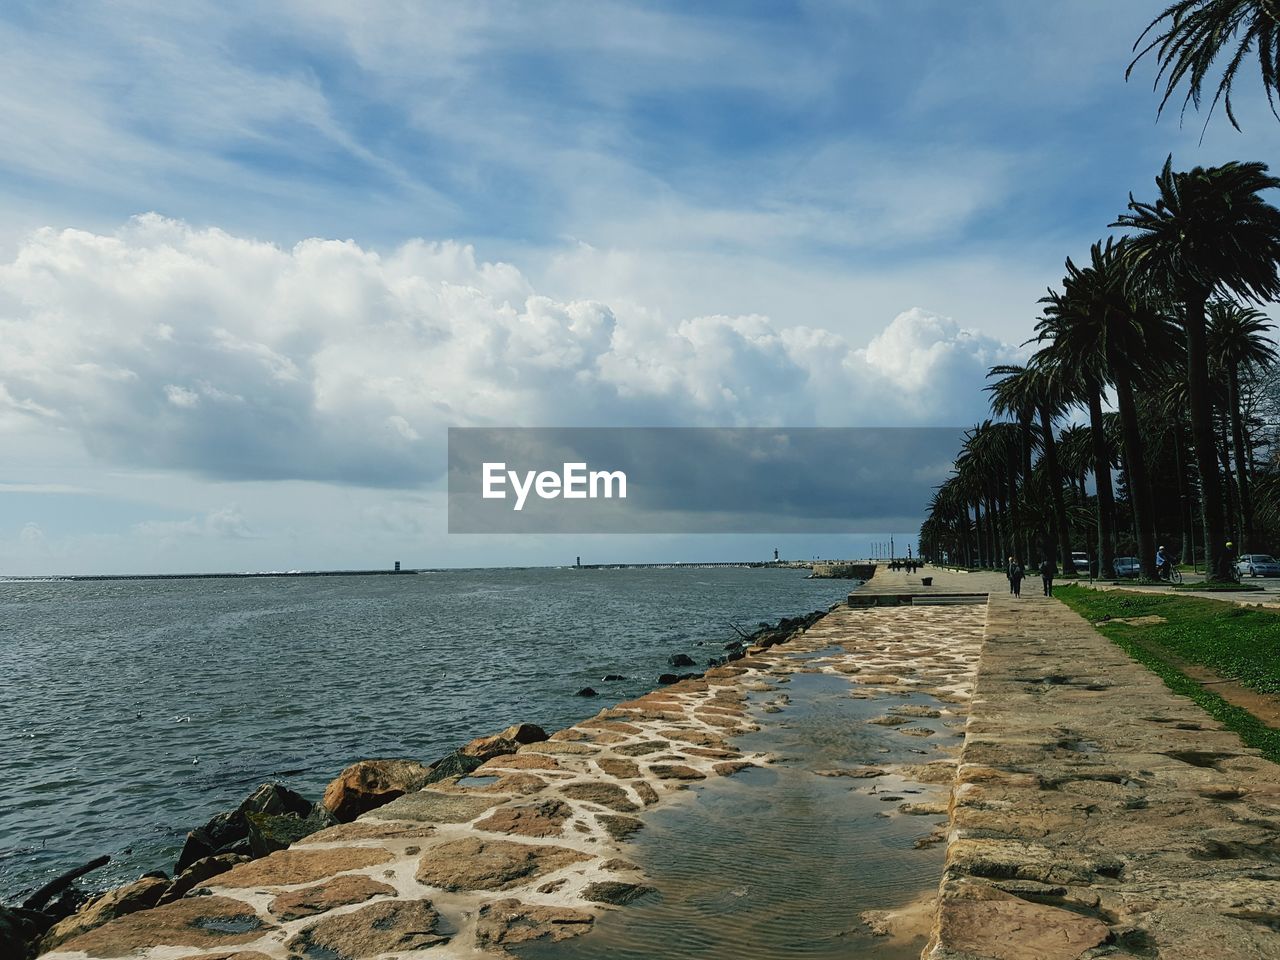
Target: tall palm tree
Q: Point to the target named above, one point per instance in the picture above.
(1237, 343)
(1029, 390)
(1100, 328)
(1193, 34)
(1209, 231)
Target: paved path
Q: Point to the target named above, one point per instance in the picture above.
(1098, 814)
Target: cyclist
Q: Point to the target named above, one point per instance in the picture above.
(1162, 564)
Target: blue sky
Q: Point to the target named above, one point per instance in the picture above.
(254, 260)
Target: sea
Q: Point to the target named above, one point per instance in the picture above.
(131, 711)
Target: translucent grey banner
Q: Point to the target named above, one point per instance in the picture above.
(694, 480)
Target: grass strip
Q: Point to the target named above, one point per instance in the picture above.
(1198, 631)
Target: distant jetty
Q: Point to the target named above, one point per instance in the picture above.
(267, 574)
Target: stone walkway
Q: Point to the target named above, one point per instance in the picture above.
(1098, 814)
(476, 866)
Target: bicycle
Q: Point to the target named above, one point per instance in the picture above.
(1170, 573)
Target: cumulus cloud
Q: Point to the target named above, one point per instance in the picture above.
(224, 523)
(167, 346)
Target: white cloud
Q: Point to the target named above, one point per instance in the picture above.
(223, 523)
(170, 347)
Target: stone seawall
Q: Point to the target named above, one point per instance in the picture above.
(1096, 813)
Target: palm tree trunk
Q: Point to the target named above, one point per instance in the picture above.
(981, 533)
(1202, 433)
(1139, 487)
(1241, 458)
(1055, 490)
(1186, 511)
(1014, 525)
(1102, 483)
(1231, 513)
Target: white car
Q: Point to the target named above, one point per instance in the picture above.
(1080, 561)
(1258, 565)
(1128, 567)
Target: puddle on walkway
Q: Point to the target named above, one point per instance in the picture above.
(780, 862)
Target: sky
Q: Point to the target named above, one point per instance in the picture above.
(255, 260)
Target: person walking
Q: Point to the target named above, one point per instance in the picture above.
(1047, 570)
(1015, 577)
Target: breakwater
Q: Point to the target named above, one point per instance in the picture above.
(536, 842)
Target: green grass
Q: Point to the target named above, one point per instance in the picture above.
(1216, 587)
(1233, 641)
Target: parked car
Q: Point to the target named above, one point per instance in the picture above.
(1080, 561)
(1258, 565)
(1128, 567)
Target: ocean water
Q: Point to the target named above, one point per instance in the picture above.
(132, 711)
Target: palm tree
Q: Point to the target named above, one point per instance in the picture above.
(1024, 391)
(1101, 331)
(1237, 342)
(1209, 231)
(1195, 33)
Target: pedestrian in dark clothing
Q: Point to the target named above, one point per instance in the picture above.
(1015, 577)
(1047, 570)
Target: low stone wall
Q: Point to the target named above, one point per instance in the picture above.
(1098, 814)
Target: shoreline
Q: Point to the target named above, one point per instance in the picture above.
(580, 794)
(1081, 805)
(767, 634)
(406, 571)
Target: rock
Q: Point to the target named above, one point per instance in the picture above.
(19, 931)
(615, 892)
(274, 799)
(508, 741)
(270, 832)
(858, 773)
(667, 678)
(69, 901)
(519, 761)
(140, 895)
(370, 829)
(288, 867)
(619, 828)
(393, 926)
(641, 748)
(229, 832)
(456, 764)
(586, 692)
(190, 922)
(431, 806)
(606, 794)
(472, 863)
(1014, 929)
(619, 768)
(342, 891)
(543, 819)
(680, 660)
(675, 771)
(504, 923)
(648, 796)
(611, 677)
(369, 784)
(198, 873)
